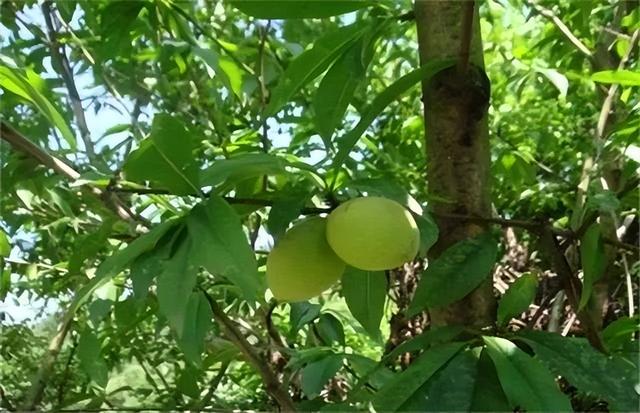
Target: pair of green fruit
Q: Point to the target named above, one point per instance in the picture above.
(370, 233)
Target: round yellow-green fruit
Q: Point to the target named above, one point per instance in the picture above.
(302, 264)
(373, 233)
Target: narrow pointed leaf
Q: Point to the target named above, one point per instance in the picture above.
(455, 273)
(517, 298)
(404, 385)
(527, 384)
(609, 377)
(311, 63)
(365, 293)
(386, 97)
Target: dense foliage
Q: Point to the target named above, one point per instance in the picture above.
(154, 151)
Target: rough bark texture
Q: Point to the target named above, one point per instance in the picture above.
(456, 127)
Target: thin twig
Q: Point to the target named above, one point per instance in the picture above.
(213, 386)
(564, 29)
(272, 384)
(605, 110)
(67, 371)
(36, 392)
(24, 145)
(60, 57)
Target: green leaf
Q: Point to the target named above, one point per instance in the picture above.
(221, 246)
(429, 232)
(621, 77)
(5, 280)
(450, 389)
(228, 71)
(242, 167)
(311, 63)
(27, 86)
(117, 262)
(488, 395)
(5, 246)
(621, 331)
(330, 329)
(175, 285)
(365, 293)
(197, 323)
(302, 313)
(166, 158)
(517, 298)
(526, 383)
(431, 337)
(315, 375)
(391, 93)
(593, 259)
(298, 9)
(143, 270)
(611, 378)
(336, 90)
(187, 383)
(89, 245)
(557, 79)
(404, 386)
(455, 273)
(283, 212)
(91, 360)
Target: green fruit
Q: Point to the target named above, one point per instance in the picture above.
(302, 265)
(373, 233)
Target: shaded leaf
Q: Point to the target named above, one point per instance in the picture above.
(311, 63)
(175, 285)
(593, 260)
(526, 383)
(455, 273)
(405, 385)
(117, 262)
(330, 329)
(488, 395)
(611, 378)
(166, 157)
(616, 334)
(450, 389)
(315, 375)
(301, 314)
(221, 246)
(431, 337)
(429, 232)
(283, 212)
(365, 293)
(391, 93)
(517, 298)
(91, 360)
(197, 323)
(336, 90)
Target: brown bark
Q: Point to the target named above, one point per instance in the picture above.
(457, 141)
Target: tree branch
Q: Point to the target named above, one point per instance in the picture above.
(271, 382)
(564, 29)
(605, 110)
(24, 145)
(465, 39)
(67, 76)
(41, 379)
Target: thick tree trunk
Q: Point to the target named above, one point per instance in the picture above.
(457, 140)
